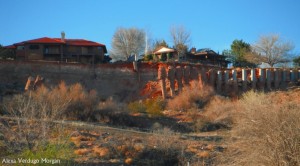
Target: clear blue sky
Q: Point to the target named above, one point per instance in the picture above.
(213, 23)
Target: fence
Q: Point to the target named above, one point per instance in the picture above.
(227, 81)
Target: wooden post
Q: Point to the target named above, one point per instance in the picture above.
(235, 84)
(171, 78)
(276, 78)
(194, 73)
(284, 79)
(244, 79)
(219, 82)
(29, 83)
(178, 75)
(162, 76)
(261, 79)
(38, 82)
(226, 78)
(269, 79)
(200, 81)
(253, 78)
(296, 75)
(212, 78)
(292, 76)
(186, 75)
(204, 76)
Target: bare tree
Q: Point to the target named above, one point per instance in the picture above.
(271, 49)
(127, 42)
(181, 39)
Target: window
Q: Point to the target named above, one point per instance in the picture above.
(46, 49)
(20, 48)
(90, 50)
(34, 47)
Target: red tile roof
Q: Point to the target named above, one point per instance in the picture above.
(82, 42)
(45, 40)
(71, 42)
(10, 47)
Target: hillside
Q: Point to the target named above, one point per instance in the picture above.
(75, 126)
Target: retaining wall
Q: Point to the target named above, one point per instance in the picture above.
(119, 81)
(228, 81)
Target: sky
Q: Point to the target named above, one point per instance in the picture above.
(212, 23)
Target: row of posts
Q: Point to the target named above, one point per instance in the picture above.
(227, 81)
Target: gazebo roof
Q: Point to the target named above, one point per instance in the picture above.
(164, 50)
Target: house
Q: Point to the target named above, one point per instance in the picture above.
(206, 56)
(60, 49)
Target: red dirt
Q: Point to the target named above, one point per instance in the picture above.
(151, 90)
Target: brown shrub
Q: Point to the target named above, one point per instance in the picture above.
(267, 131)
(215, 113)
(221, 110)
(34, 113)
(194, 96)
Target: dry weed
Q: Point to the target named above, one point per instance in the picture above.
(194, 96)
(267, 131)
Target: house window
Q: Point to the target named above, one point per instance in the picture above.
(90, 50)
(20, 48)
(34, 47)
(46, 50)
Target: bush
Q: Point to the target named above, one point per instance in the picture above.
(267, 130)
(32, 116)
(220, 116)
(153, 107)
(54, 153)
(137, 107)
(148, 57)
(194, 96)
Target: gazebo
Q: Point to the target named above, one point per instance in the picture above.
(165, 53)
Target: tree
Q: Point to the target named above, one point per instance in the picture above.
(271, 49)
(237, 54)
(127, 42)
(181, 39)
(239, 48)
(160, 43)
(7, 53)
(296, 61)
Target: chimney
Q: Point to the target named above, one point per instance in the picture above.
(63, 36)
(193, 50)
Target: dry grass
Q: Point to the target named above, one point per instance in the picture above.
(32, 129)
(200, 107)
(267, 130)
(194, 96)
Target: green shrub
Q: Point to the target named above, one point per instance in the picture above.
(137, 107)
(153, 107)
(148, 57)
(62, 153)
